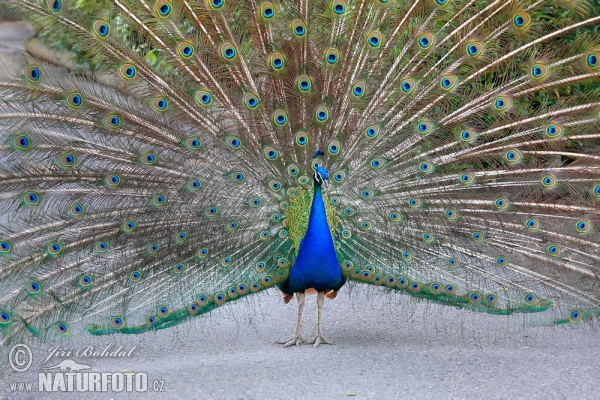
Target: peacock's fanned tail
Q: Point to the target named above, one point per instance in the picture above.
(461, 137)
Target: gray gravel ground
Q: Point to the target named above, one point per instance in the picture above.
(385, 347)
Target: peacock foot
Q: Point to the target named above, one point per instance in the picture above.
(297, 339)
(319, 339)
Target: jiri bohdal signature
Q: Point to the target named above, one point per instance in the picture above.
(91, 351)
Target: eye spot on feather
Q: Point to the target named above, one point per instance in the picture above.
(228, 51)
(211, 211)
(5, 318)
(366, 225)
(226, 261)
(583, 226)
(32, 74)
(451, 215)
(21, 143)
(280, 118)
(185, 50)
(406, 256)
(474, 49)
(163, 8)
(54, 5)
(338, 7)
(553, 131)
(539, 71)
(153, 249)
(332, 56)
(530, 299)
(377, 163)
(592, 60)
(322, 114)
(301, 138)
(359, 89)
(203, 97)
(31, 199)
(428, 237)
(101, 247)
(467, 136)
(127, 71)
(298, 28)
(251, 101)
(425, 127)
(85, 281)
(501, 204)
(477, 237)
(178, 268)
(502, 103)
(334, 147)
(113, 181)
(408, 85)
(5, 247)
(237, 176)
(549, 181)
(426, 41)
(135, 276)
(452, 262)
(521, 20)
(148, 159)
(426, 167)
(502, 261)
(448, 82)
(216, 4)
(532, 224)
(415, 287)
(128, 226)
(267, 10)
(180, 237)
(202, 253)
(276, 61)
(163, 312)
(374, 39)
(74, 100)
(61, 328)
(475, 298)
(435, 288)
(33, 287)
(76, 210)
(367, 194)
(402, 282)
(270, 153)
(233, 142)
(372, 131)
(553, 250)
(414, 203)
(467, 179)
(117, 323)
(575, 316)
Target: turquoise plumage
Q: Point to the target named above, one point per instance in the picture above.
(206, 150)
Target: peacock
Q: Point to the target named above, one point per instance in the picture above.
(201, 151)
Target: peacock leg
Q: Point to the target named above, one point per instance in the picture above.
(319, 339)
(296, 339)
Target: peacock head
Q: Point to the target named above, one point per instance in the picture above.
(321, 175)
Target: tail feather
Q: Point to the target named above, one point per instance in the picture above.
(152, 188)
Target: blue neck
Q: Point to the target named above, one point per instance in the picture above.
(316, 265)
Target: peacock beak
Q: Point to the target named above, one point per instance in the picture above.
(326, 183)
